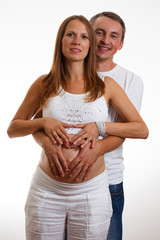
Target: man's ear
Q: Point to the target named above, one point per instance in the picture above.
(121, 45)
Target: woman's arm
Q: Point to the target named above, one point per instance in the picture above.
(21, 124)
(134, 126)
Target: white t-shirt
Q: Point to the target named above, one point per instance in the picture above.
(133, 87)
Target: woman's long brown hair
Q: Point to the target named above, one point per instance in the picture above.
(57, 75)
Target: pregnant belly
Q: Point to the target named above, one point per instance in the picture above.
(69, 155)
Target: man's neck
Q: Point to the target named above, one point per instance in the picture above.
(105, 66)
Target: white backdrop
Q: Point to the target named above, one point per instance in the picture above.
(28, 30)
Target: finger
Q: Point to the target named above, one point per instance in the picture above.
(76, 136)
(77, 144)
(79, 137)
(63, 162)
(76, 170)
(93, 142)
(66, 125)
(52, 138)
(64, 135)
(82, 173)
(87, 173)
(79, 125)
(85, 143)
(73, 164)
(54, 169)
(57, 138)
(59, 168)
(67, 145)
(80, 140)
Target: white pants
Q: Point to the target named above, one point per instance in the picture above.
(84, 208)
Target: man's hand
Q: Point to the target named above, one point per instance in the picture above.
(56, 159)
(81, 166)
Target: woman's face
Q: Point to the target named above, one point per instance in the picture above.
(75, 42)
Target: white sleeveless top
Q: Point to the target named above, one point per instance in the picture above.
(73, 109)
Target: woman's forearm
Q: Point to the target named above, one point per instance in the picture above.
(127, 130)
(20, 128)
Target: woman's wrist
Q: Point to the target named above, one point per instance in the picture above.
(101, 126)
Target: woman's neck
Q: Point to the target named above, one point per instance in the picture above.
(75, 82)
(75, 70)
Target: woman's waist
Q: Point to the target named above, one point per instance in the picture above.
(70, 155)
(97, 183)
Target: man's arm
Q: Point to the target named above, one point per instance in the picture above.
(87, 156)
(56, 159)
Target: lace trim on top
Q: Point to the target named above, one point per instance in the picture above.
(72, 109)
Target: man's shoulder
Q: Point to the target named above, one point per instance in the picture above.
(123, 76)
(127, 75)
(127, 72)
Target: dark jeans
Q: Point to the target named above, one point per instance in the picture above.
(117, 196)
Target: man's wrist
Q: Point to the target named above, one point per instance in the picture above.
(46, 142)
(98, 147)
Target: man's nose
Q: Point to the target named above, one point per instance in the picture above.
(106, 39)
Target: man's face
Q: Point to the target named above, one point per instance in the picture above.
(108, 35)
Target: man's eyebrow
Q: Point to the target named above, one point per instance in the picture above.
(99, 29)
(116, 33)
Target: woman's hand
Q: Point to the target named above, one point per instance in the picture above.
(89, 133)
(56, 132)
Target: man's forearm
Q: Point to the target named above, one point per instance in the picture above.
(41, 138)
(108, 144)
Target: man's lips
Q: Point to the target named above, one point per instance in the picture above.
(104, 48)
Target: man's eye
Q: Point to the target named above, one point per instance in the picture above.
(99, 33)
(114, 36)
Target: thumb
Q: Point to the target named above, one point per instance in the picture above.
(66, 125)
(79, 125)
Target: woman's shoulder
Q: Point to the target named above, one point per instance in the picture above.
(111, 87)
(109, 82)
(38, 81)
(41, 78)
(36, 86)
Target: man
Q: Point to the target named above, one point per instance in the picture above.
(109, 35)
(109, 31)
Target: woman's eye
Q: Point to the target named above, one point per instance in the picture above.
(70, 34)
(85, 37)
